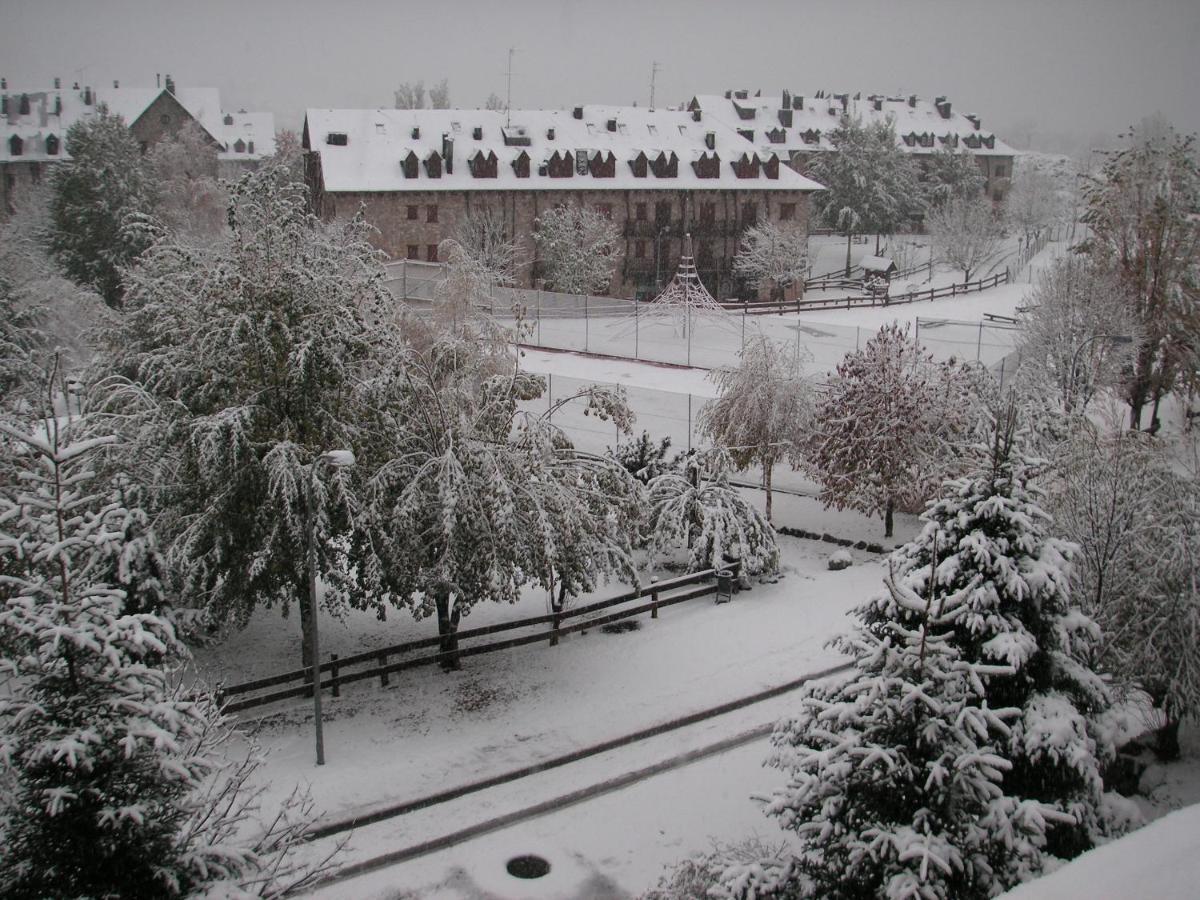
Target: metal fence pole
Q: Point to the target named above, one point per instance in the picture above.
(404, 277)
(689, 421)
(636, 328)
(539, 317)
(979, 344)
(585, 323)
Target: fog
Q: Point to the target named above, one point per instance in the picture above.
(1061, 75)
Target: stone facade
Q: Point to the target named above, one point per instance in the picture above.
(652, 224)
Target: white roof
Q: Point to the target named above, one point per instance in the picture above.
(256, 131)
(876, 263)
(377, 140)
(910, 115)
(42, 121)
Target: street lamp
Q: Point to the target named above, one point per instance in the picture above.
(1113, 339)
(337, 459)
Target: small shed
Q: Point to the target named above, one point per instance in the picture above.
(878, 267)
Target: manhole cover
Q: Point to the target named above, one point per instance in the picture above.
(527, 867)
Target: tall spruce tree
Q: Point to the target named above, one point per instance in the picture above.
(962, 753)
(99, 199)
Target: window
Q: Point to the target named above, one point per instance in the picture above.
(337, 139)
(750, 213)
(708, 213)
(431, 213)
(998, 195)
(431, 253)
(414, 252)
(412, 213)
(1001, 170)
(16, 146)
(640, 212)
(35, 174)
(639, 249)
(662, 212)
(787, 212)
(605, 209)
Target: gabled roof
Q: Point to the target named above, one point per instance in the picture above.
(376, 140)
(909, 115)
(54, 111)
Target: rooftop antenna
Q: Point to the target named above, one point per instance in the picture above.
(654, 69)
(508, 97)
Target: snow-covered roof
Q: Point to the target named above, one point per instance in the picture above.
(247, 135)
(53, 111)
(789, 122)
(876, 264)
(368, 148)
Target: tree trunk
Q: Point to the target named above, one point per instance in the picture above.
(887, 517)
(448, 632)
(1155, 424)
(1166, 741)
(849, 238)
(877, 244)
(305, 635)
(767, 468)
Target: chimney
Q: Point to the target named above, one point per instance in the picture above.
(974, 120)
(448, 153)
(158, 79)
(549, 134)
(116, 84)
(798, 103)
(785, 118)
(577, 112)
(75, 86)
(170, 84)
(710, 140)
(416, 133)
(786, 101)
(878, 104)
(477, 133)
(729, 95)
(87, 96)
(58, 84)
(912, 100)
(612, 124)
(943, 108)
(3, 84)
(58, 104)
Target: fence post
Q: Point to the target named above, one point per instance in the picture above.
(333, 675)
(539, 317)
(404, 277)
(383, 676)
(654, 596)
(979, 342)
(554, 625)
(689, 422)
(917, 337)
(1003, 360)
(637, 327)
(219, 694)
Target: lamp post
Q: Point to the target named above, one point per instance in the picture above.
(1111, 338)
(337, 459)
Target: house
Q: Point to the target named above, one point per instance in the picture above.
(658, 174)
(797, 127)
(34, 124)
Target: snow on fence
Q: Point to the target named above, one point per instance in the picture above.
(950, 290)
(704, 585)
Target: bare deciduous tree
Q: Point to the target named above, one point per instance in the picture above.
(1066, 344)
(578, 247)
(772, 253)
(482, 234)
(1034, 202)
(410, 95)
(494, 103)
(764, 410)
(439, 95)
(966, 233)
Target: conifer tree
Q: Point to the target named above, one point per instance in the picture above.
(113, 786)
(962, 753)
(99, 198)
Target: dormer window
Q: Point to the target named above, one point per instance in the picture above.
(433, 165)
(521, 165)
(239, 146)
(410, 166)
(639, 165)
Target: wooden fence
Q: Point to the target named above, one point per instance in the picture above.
(376, 664)
(765, 307)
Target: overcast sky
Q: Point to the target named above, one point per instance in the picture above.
(1052, 67)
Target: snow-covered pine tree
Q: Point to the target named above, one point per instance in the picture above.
(764, 410)
(951, 174)
(987, 554)
(578, 247)
(961, 752)
(891, 425)
(697, 508)
(642, 458)
(113, 786)
(97, 197)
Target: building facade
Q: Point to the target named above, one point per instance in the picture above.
(797, 127)
(34, 124)
(658, 174)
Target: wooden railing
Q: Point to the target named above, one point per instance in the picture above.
(379, 663)
(764, 307)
